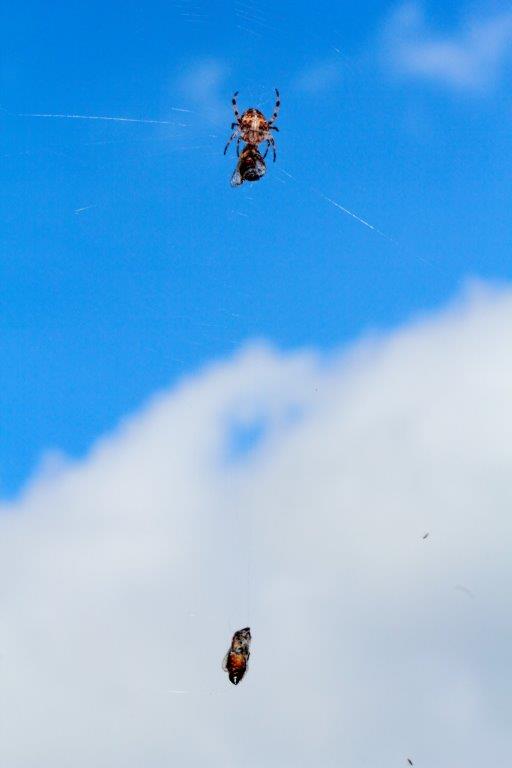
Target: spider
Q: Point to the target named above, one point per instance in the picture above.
(253, 127)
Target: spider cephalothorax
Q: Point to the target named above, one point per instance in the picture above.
(253, 127)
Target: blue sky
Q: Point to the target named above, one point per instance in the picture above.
(399, 113)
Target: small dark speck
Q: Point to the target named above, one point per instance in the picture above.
(425, 536)
(410, 761)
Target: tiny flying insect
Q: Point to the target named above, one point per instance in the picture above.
(236, 660)
(250, 166)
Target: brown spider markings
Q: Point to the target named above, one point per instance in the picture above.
(253, 127)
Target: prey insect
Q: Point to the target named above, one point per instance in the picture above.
(236, 660)
(250, 167)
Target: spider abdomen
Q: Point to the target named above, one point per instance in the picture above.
(253, 127)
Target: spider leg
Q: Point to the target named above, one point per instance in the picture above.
(235, 106)
(271, 127)
(238, 146)
(276, 109)
(266, 151)
(233, 135)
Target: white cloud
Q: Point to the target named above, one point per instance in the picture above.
(124, 575)
(202, 86)
(471, 58)
(319, 77)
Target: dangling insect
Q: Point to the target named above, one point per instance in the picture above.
(252, 126)
(237, 658)
(250, 167)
